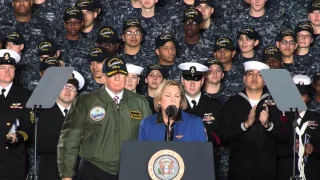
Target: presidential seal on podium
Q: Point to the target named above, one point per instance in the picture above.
(166, 165)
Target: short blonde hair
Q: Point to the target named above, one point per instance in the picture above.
(160, 90)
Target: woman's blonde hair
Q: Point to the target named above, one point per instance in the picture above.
(160, 90)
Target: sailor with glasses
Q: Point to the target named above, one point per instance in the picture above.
(287, 44)
(306, 56)
(192, 45)
(133, 52)
(50, 124)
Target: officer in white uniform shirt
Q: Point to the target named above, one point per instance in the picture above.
(133, 78)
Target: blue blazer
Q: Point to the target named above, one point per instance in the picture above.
(189, 128)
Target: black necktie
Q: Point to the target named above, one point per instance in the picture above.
(194, 104)
(2, 94)
(65, 112)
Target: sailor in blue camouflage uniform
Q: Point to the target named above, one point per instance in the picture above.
(5, 6)
(153, 77)
(49, 48)
(307, 58)
(133, 52)
(34, 29)
(64, 5)
(265, 21)
(90, 29)
(106, 8)
(192, 46)
(314, 102)
(175, 9)
(15, 41)
(154, 22)
(166, 51)
(47, 63)
(272, 57)
(224, 51)
(108, 39)
(97, 56)
(211, 27)
(73, 47)
(67, 4)
(295, 11)
(287, 44)
(213, 86)
(231, 9)
(314, 17)
(50, 10)
(248, 42)
(121, 11)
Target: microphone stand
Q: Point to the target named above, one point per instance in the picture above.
(295, 114)
(36, 112)
(168, 129)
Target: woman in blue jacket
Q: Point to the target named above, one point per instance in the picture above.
(182, 126)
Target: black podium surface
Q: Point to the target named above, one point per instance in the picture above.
(166, 160)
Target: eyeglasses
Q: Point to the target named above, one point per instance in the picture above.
(291, 43)
(130, 33)
(76, 23)
(71, 88)
(190, 23)
(304, 36)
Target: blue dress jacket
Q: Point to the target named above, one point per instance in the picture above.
(186, 127)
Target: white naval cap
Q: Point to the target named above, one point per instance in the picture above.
(303, 83)
(193, 68)
(301, 79)
(76, 75)
(255, 65)
(6, 54)
(131, 68)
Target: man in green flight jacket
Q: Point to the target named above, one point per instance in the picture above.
(97, 124)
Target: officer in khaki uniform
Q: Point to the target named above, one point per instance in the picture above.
(97, 124)
(15, 124)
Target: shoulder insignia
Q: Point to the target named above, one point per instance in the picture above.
(32, 117)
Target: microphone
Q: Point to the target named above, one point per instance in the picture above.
(171, 110)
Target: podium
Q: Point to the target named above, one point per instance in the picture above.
(148, 160)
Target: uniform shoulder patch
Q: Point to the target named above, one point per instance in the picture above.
(97, 113)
